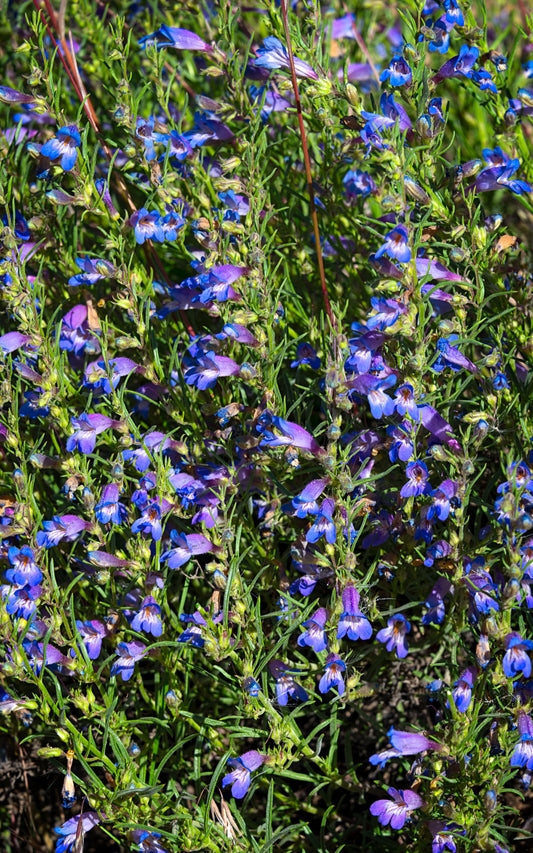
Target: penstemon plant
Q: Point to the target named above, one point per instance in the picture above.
(266, 447)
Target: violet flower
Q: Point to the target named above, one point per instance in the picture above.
(394, 635)
(523, 752)
(352, 623)
(286, 686)
(273, 55)
(66, 527)
(315, 636)
(69, 831)
(149, 617)
(396, 245)
(64, 145)
(417, 482)
(176, 37)
(186, 547)
(397, 810)
(241, 777)
(333, 675)
(516, 660)
(87, 427)
(462, 695)
(128, 655)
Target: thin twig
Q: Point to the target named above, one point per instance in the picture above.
(307, 162)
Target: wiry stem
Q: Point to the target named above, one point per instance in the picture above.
(307, 162)
(68, 59)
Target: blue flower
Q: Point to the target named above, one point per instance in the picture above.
(241, 777)
(333, 675)
(109, 509)
(394, 635)
(273, 55)
(516, 660)
(397, 810)
(147, 226)
(398, 73)
(315, 636)
(149, 617)
(396, 245)
(286, 686)
(306, 354)
(25, 570)
(417, 483)
(323, 524)
(462, 695)
(352, 623)
(128, 654)
(69, 830)
(65, 145)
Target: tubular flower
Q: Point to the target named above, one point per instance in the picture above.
(397, 810)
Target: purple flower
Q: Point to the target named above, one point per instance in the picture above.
(417, 482)
(333, 675)
(128, 654)
(315, 636)
(147, 226)
(148, 618)
(435, 602)
(450, 356)
(394, 635)
(462, 695)
(306, 502)
(150, 520)
(459, 66)
(87, 427)
(12, 341)
(92, 634)
(176, 37)
(147, 841)
(404, 743)
(323, 524)
(306, 354)
(523, 752)
(286, 686)
(65, 145)
(208, 369)
(288, 433)
(442, 838)
(357, 183)
(186, 547)
(352, 623)
(273, 55)
(387, 312)
(194, 634)
(25, 570)
(66, 527)
(402, 447)
(21, 600)
(70, 830)
(379, 402)
(109, 509)
(397, 810)
(93, 269)
(398, 72)
(396, 245)
(442, 496)
(240, 777)
(40, 655)
(516, 660)
(405, 402)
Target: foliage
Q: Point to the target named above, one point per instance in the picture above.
(265, 428)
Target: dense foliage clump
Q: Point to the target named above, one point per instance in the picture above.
(266, 446)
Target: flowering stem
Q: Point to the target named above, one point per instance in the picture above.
(307, 162)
